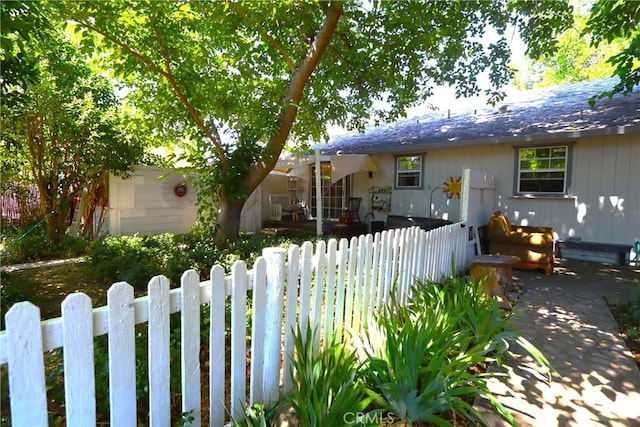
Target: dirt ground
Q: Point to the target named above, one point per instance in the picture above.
(47, 287)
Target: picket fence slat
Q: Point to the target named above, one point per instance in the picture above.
(190, 345)
(340, 288)
(159, 372)
(306, 273)
(238, 339)
(216, 347)
(258, 327)
(358, 286)
(318, 292)
(79, 371)
(375, 269)
(293, 272)
(122, 360)
(334, 287)
(275, 258)
(330, 289)
(366, 278)
(27, 387)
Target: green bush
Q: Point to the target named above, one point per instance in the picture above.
(29, 244)
(136, 260)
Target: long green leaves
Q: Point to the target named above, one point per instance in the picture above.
(421, 358)
(328, 391)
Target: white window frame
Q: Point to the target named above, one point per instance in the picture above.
(399, 171)
(543, 168)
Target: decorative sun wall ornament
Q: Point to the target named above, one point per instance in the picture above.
(177, 191)
(453, 187)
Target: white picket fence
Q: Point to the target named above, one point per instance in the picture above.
(335, 289)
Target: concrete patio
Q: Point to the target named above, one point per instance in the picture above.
(596, 382)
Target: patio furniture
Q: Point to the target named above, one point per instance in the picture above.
(609, 253)
(496, 271)
(354, 207)
(295, 210)
(275, 212)
(535, 246)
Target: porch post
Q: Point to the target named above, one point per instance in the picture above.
(318, 194)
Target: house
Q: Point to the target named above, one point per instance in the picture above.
(152, 200)
(160, 200)
(546, 158)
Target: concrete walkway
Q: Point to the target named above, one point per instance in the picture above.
(596, 382)
(39, 264)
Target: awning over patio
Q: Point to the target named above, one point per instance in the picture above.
(286, 164)
(345, 164)
(341, 165)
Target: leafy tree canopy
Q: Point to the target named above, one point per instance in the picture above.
(618, 21)
(594, 47)
(64, 130)
(242, 79)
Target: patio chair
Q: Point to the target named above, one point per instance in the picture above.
(354, 207)
(535, 246)
(275, 212)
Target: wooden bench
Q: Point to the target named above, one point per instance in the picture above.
(497, 272)
(609, 253)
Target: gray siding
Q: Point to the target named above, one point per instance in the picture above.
(603, 204)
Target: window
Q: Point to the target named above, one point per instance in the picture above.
(408, 172)
(543, 170)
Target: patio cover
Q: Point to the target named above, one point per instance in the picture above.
(345, 164)
(286, 164)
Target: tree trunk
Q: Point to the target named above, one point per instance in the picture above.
(228, 218)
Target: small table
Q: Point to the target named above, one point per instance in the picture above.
(497, 271)
(294, 211)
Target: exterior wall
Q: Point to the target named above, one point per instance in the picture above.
(146, 204)
(604, 194)
(285, 190)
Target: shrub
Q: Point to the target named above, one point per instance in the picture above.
(328, 389)
(422, 358)
(29, 243)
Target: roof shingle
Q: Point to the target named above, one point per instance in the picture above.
(541, 114)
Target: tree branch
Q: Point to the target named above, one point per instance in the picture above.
(146, 61)
(294, 94)
(215, 139)
(238, 9)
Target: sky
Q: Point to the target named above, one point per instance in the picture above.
(444, 98)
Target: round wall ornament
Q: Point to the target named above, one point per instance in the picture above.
(180, 189)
